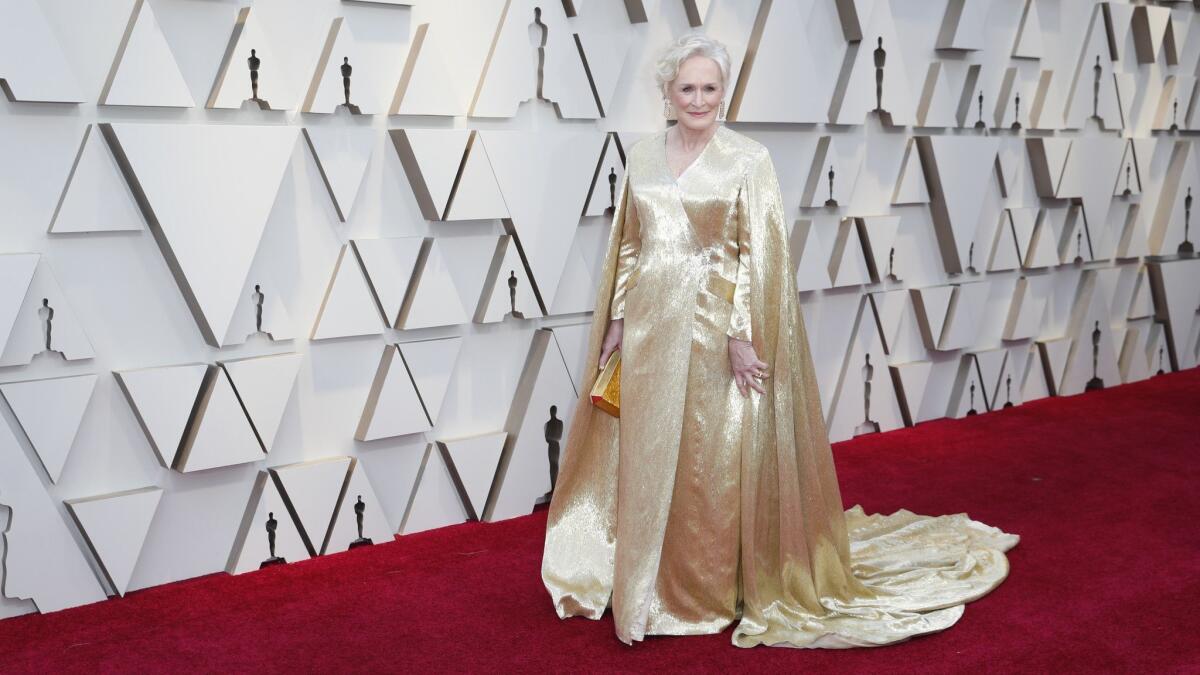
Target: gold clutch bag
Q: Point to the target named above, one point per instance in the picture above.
(606, 392)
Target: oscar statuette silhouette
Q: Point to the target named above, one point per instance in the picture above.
(272, 526)
(360, 508)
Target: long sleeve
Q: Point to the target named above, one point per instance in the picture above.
(760, 207)
(739, 319)
(627, 254)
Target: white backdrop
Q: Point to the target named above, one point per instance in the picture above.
(147, 220)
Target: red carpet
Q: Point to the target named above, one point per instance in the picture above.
(1102, 488)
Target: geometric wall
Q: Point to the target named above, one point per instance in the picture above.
(224, 315)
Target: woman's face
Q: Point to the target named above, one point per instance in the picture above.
(696, 92)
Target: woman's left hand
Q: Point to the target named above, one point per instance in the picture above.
(748, 370)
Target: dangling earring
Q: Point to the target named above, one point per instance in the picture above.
(666, 109)
(721, 111)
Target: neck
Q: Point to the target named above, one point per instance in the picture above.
(691, 138)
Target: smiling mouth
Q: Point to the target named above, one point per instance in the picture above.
(697, 113)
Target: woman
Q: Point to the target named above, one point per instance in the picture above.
(713, 497)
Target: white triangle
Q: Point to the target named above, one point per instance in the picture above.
(276, 319)
(910, 186)
(1134, 364)
(889, 309)
(393, 407)
(963, 25)
(233, 86)
(847, 266)
(221, 434)
(1092, 167)
(162, 400)
(431, 159)
(1029, 34)
(1048, 159)
(50, 412)
(1003, 253)
(342, 154)
(252, 547)
(435, 301)
(345, 526)
(264, 386)
(349, 308)
(938, 105)
(604, 49)
(966, 394)
(962, 167)
(1042, 250)
(1180, 296)
(431, 364)
(1023, 222)
(210, 189)
(810, 257)
(313, 490)
(914, 380)
(855, 93)
(1057, 351)
(95, 197)
(474, 460)
(389, 265)
(935, 303)
(775, 90)
(991, 368)
(326, 90)
(966, 316)
(497, 300)
(1082, 99)
(427, 86)
(544, 177)
(1142, 304)
(524, 475)
(145, 72)
(115, 526)
(880, 239)
(1033, 380)
(578, 285)
(1158, 18)
(32, 63)
(602, 201)
(46, 305)
(1025, 312)
(844, 156)
(477, 195)
(42, 561)
(849, 408)
(435, 501)
(1127, 163)
(572, 341)
(1046, 111)
(16, 273)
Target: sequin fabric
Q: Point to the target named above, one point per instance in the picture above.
(699, 508)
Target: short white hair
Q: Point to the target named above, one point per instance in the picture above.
(692, 44)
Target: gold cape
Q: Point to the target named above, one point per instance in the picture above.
(699, 507)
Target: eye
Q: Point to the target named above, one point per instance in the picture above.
(687, 88)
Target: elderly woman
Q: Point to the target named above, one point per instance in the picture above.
(713, 496)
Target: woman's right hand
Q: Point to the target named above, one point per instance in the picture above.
(612, 341)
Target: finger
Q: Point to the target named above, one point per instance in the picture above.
(757, 387)
(603, 359)
(741, 385)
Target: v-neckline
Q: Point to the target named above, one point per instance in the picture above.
(666, 160)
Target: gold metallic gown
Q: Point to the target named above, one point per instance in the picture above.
(699, 507)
